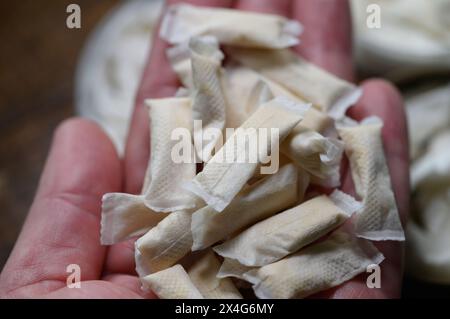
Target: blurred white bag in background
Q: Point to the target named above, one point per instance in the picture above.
(414, 37)
(111, 64)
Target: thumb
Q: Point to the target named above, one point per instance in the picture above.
(62, 227)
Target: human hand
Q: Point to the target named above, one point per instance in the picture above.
(63, 223)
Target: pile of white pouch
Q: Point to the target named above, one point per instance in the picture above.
(244, 223)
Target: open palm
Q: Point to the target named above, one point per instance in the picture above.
(63, 224)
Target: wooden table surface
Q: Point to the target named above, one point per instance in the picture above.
(38, 58)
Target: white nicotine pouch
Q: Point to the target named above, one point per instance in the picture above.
(287, 232)
(208, 104)
(320, 122)
(317, 267)
(239, 88)
(171, 283)
(170, 120)
(165, 244)
(319, 155)
(203, 274)
(251, 144)
(232, 268)
(125, 216)
(256, 202)
(311, 83)
(378, 219)
(246, 90)
(240, 28)
(179, 57)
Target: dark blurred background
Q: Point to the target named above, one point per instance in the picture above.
(37, 62)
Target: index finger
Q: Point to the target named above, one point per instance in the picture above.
(327, 37)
